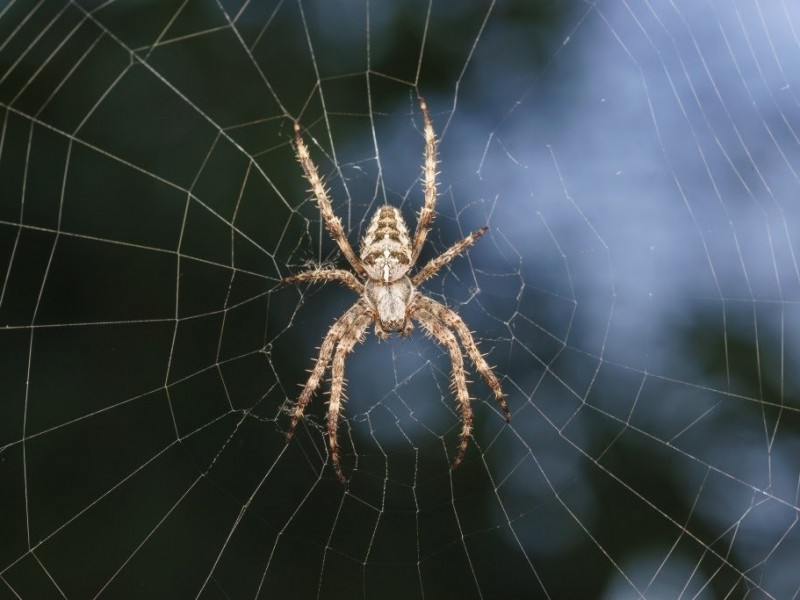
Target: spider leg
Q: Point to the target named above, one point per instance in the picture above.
(433, 266)
(332, 222)
(352, 336)
(340, 275)
(427, 212)
(338, 331)
(439, 330)
(453, 321)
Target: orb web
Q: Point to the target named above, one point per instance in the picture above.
(637, 294)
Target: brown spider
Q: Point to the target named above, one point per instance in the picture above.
(388, 297)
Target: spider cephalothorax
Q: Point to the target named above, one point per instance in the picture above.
(388, 297)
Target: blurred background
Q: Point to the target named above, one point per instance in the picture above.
(638, 294)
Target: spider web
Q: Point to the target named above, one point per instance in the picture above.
(637, 294)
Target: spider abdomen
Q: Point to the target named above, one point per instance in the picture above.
(386, 247)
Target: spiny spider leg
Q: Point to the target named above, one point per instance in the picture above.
(436, 328)
(340, 275)
(332, 222)
(452, 321)
(427, 212)
(354, 335)
(338, 331)
(430, 269)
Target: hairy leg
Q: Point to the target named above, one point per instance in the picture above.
(445, 257)
(354, 335)
(439, 330)
(454, 322)
(332, 222)
(337, 332)
(340, 275)
(427, 212)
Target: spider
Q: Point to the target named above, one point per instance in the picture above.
(388, 297)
